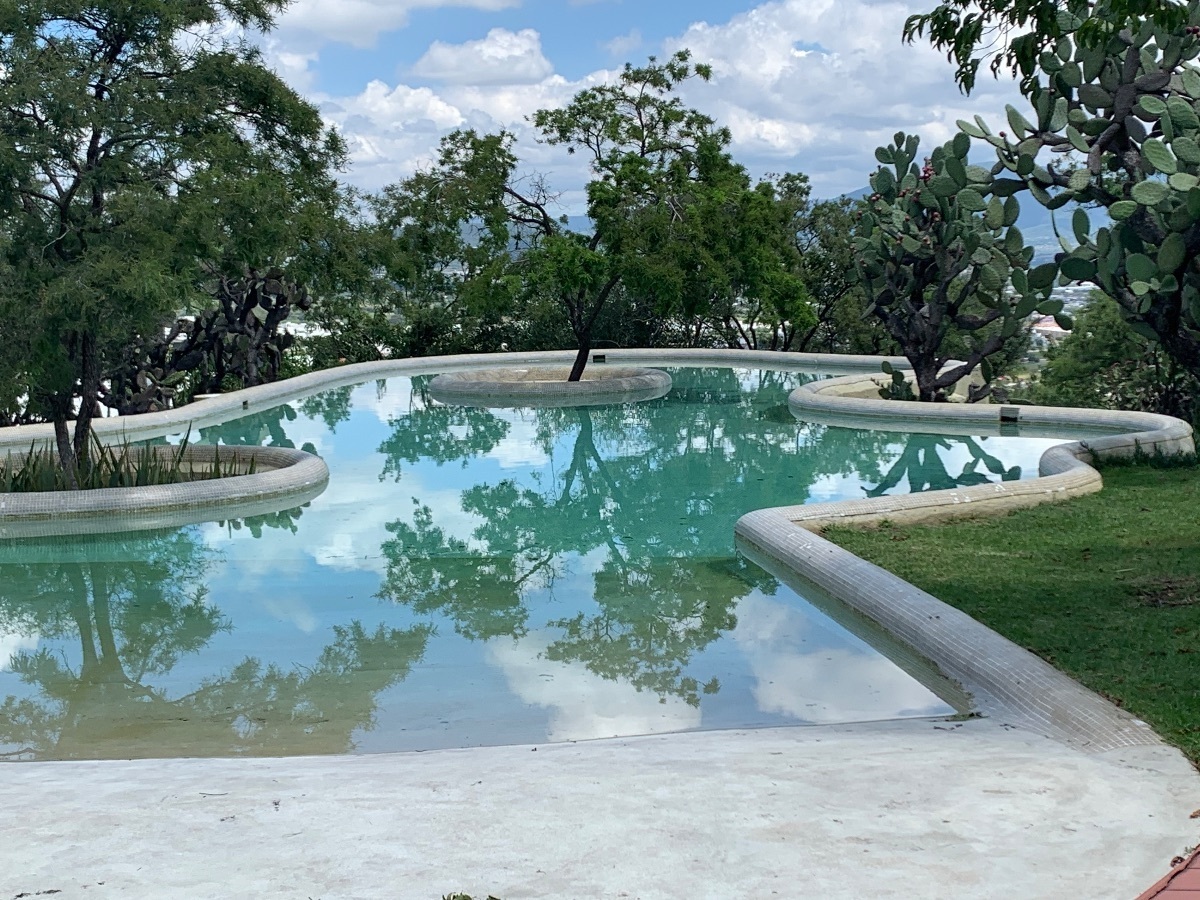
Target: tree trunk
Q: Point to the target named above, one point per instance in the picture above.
(66, 455)
(925, 372)
(581, 358)
(89, 392)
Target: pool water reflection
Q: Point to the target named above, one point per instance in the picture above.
(470, 577)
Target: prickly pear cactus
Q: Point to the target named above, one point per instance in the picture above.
(938, 248)
(239, 338)
(1124, 120)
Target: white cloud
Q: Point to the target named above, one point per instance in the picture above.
(360, 22)
(294, 66)
(503, 57)
(623, 45)
(345, 528)
(583, 705)
(816, 85)
(12, 643)
(820, 684)
(519, 448)
(803, 85)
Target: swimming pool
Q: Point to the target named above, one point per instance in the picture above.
(470, 577)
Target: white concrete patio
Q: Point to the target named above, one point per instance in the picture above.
(929, 809)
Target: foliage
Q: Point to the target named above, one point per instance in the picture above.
(937, 249)
(237, 339)
(897, 387)
(113, 466)
(675, 229)
(629, 490)
(141, 156)
(1106, 364)
(1130, 109)
(1106, 587)
(1021, 30)
(824, 241)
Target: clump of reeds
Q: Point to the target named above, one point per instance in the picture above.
(112, 466)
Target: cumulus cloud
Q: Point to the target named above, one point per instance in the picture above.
(799, 674)
(816, 85)
(583, 705)
(503, 57)
(624, 44)
(360, 22)
(803, 85)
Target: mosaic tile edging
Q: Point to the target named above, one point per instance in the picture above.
(283, 478)
(1005, 680)
(510, 386)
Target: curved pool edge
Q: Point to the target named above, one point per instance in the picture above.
(283, 479)
(217, 409)
(510, 386)
(1004, 679)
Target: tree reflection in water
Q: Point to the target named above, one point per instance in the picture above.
(922, 464)
(650, 508)
(666, 584)
(137, 606)
(637, 501)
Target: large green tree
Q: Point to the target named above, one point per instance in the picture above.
(675, 226)
(142, 156)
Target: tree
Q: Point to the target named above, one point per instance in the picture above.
(136, 610)
(733, 263)
(938, 251)
(1017, 32)
(823, 233)
(674, 223)
(1116, 95)
(142, 156)
(624, 497)
(1104, 363)
(921, 463)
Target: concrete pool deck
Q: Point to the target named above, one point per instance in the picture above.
(922, 808)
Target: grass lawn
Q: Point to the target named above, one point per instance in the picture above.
(1106, 587)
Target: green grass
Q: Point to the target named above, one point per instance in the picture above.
(1106, 587)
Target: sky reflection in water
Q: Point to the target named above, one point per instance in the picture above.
(470, 577)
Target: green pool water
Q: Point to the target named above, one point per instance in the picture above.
(471, 577)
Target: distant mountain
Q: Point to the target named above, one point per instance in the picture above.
(579, 224)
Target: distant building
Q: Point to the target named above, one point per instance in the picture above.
(1046, 332)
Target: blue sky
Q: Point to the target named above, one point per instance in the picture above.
(577, 37)
(804, 85)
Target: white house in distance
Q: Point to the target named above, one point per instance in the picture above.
(1046, 332)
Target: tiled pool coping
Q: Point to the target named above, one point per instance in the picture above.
(1003, 679)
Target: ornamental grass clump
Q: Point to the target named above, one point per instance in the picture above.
(115, 466)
